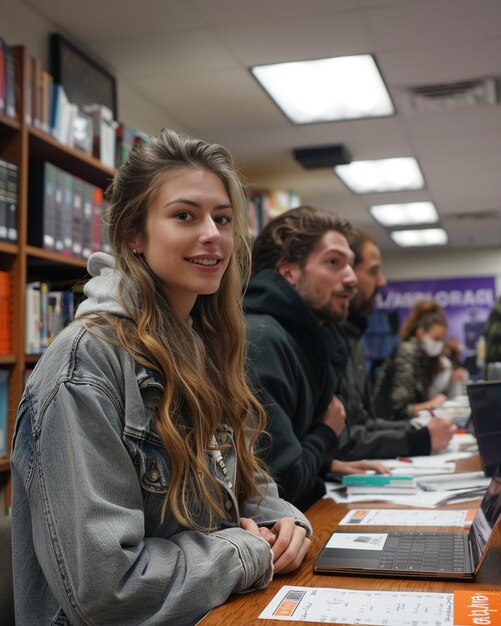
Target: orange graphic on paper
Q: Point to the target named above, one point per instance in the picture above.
(359, 515)
(470, 514)
(477, 608)
(286, 608)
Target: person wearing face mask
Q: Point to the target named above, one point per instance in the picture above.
(405, 382)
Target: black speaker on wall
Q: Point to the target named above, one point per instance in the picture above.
(322, 156)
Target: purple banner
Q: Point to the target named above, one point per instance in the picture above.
(467, 303)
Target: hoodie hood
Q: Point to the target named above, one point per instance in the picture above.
(268, 293)
(102, 290)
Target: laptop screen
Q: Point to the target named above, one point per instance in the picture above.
(485, 401)
(486, 518)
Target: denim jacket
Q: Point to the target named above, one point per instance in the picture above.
(89, 477)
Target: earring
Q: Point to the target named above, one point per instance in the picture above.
(134, 251)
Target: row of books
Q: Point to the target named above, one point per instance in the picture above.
(90, 129)
(5, 313)
(48, 310)
(263, 207)
(65, 212)
(9, 173)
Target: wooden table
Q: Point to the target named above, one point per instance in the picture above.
(324, 516)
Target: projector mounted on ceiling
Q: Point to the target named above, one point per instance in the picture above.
(322, 156)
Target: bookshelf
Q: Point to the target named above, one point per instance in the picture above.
(21, 143)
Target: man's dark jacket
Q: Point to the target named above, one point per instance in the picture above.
(367, 436)
(295, 365)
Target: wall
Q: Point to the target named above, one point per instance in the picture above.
(19, 24)
(443, 263)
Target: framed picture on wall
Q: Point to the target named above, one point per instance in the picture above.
(84, 80)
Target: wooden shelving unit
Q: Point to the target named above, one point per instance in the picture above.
(19, 143)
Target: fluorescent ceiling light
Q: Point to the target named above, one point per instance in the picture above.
(403, 214)
(399, 174)
(422, 237)
(326, 90)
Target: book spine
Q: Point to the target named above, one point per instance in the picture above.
(97, 208)
(4, 394)
(88, 206)
(25, 64)
(58, 209)
(41, 206)
(47, 89)
(49, 208)
(125, 135)
(44, 315)
(54, 314)
(2, 75)
(78, 201)
(10, 82)
(67, 307)
(12, 201)
(3, 200)
(67, 214)
(32, 319)
(105, 234)
(5, 313)
(35, 69)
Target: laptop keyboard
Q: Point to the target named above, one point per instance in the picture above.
(424, 552)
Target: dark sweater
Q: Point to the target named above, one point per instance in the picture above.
(296, 366)
(367, 436)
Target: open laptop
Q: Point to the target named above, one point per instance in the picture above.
(485, 401)
(416, 554)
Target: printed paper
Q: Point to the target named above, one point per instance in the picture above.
(385, 608)
(357, 541)
(406, 517)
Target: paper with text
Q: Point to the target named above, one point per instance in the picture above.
(385, 608)
(407, 517)
(371, 608)
(357, 541)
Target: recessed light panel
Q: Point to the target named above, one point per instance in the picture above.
(398, 174)
(420, 238)
(327, 90)
(403, 214)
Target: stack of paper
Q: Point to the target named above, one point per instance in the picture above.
(358, 484)
(467, 483)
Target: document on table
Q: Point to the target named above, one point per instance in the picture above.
(407, 517)
(420, 499)
(387, 608)
(434, 463)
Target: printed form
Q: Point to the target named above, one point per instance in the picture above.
(407, 517)
(384, 608)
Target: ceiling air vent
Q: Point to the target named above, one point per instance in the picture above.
(460, 94)
(490, 214)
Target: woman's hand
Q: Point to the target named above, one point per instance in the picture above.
(287, 540)
(357, 467)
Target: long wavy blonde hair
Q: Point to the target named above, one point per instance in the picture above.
(202, 361)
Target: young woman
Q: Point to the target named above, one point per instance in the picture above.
(136, 494)
(405, 384)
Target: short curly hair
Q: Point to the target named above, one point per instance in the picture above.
(293, 235)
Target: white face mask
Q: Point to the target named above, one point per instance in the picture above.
(432, 347)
